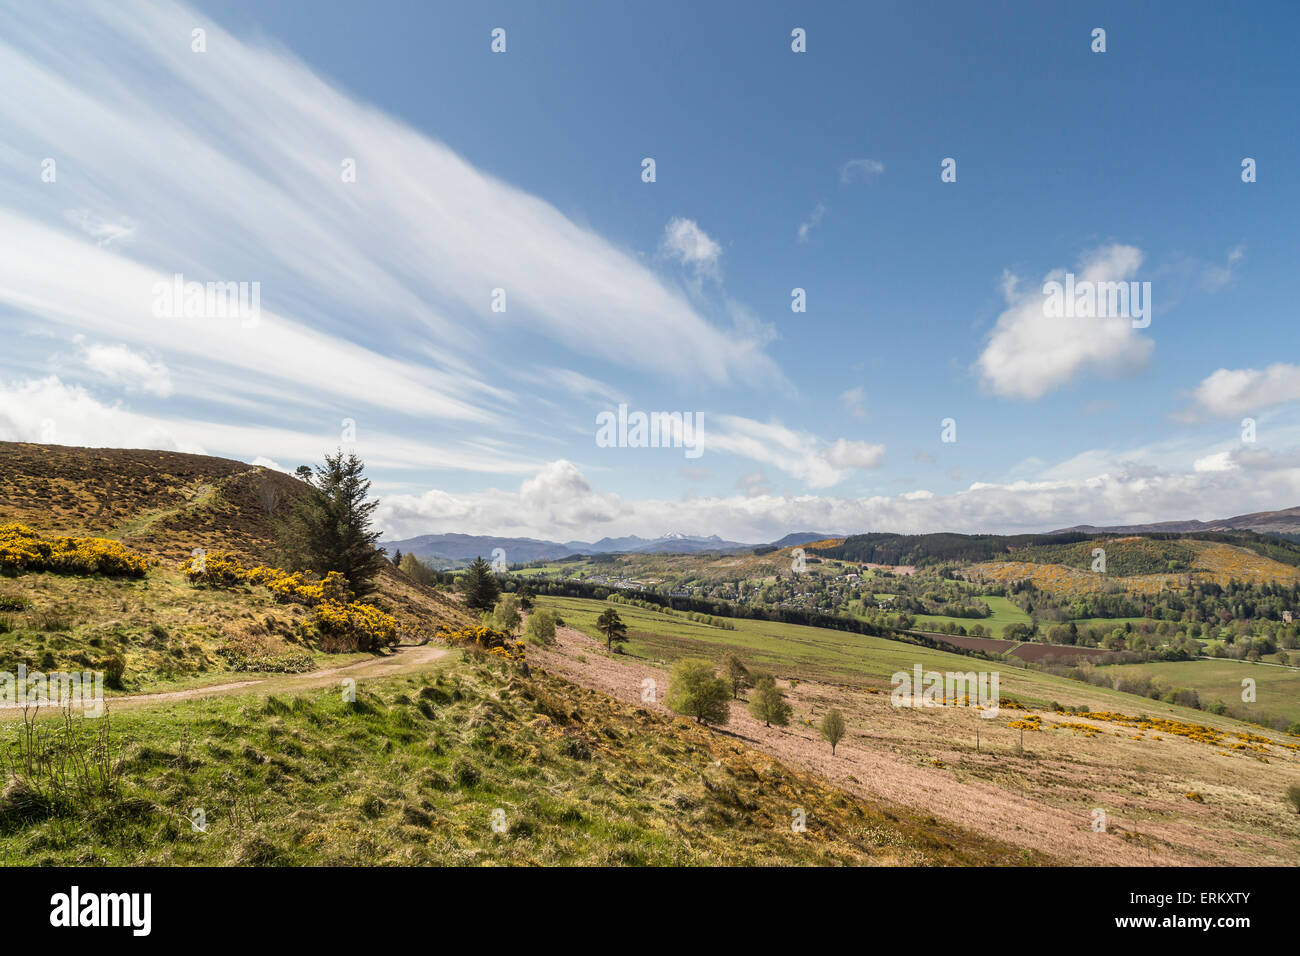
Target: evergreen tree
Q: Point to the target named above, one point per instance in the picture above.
(480, 586)
(612, 626)
(329, 527)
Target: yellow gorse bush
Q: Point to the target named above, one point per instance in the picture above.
(355, 626)
(23, 550)
(343, 624)
(222, 569)
(214, 569)
(487, 639)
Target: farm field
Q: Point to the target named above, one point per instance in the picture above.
(1277, 689)
(1165, 775)
(1110, 622)
(841, 657)
(1004, 612)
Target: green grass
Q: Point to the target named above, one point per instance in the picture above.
(167, 632)
(1004, 613)
(1109, 623)
(1277, 689)
(417, 770)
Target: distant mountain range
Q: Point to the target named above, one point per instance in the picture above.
(467, 547)
(1286, 521)
(462, 548)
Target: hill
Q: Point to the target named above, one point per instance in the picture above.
(1286, 521)
(161, 503)
(220, 701)
(158, 630)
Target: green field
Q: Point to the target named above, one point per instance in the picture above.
(812, 653)
(1277, 689)
(1004, 613)
(1110, 623)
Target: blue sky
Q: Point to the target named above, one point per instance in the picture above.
(774, 170)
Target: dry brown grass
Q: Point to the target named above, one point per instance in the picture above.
(1042, 799)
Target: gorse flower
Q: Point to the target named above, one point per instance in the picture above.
(23, 550)
(489, 640)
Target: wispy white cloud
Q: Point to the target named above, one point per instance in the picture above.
(854, 401)
(49, 410)
(687, 243)
(860, 170)
(375, 293)
(796, 453)
(812, 222)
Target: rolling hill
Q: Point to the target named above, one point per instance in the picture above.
(1286, 521)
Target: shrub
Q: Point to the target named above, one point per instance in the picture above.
(768, 703)
(484, 639)
(23, 550)
(505, 616)
(214, 569)
(832, 728)
(354, 627)
(1293, 794)
(540, 628)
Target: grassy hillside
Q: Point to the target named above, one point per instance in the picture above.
(1004, 613)
(1277, 689)
(857, 660)
(158, 631)
(418, 770)
(1180, 785)
(160, 503)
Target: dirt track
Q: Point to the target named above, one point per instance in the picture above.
(405, 659)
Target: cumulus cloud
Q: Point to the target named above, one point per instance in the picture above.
(1230, 392)
(1029, 353)
(1022, 506)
